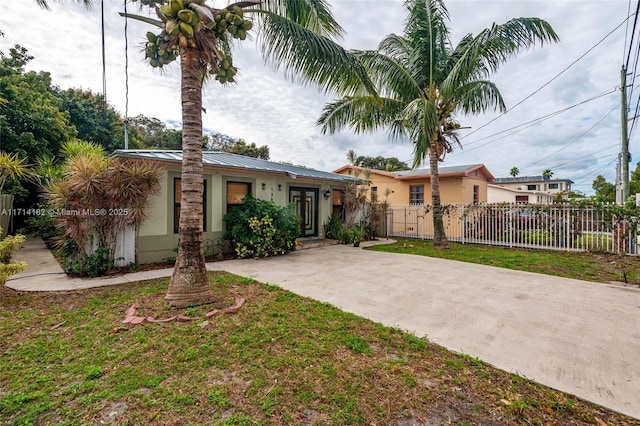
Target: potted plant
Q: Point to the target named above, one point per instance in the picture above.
(358, 235)
(10, 167)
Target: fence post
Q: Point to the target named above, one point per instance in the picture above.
(464, 224)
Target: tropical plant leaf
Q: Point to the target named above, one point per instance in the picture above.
(309, 57)
(154, 22)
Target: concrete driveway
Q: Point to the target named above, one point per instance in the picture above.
(576, 336)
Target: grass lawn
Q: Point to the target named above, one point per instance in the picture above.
(588, 266)
(67, 359)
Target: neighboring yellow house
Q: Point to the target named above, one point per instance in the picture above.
(458, 184)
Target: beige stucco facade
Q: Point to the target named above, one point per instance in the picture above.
(458, 185)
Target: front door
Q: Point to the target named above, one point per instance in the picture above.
(305, 202)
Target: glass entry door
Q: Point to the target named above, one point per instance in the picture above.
(305, 202)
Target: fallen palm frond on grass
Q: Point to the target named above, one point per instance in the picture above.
(66, 358)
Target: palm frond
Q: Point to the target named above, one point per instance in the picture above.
(427, 32)
(482, 55)
(314, 15)
(155, 22)
(45, 5)
(309, 57)
(420, 118)
(361, 113)
(479, 96)
(397, 132)
(389, 75)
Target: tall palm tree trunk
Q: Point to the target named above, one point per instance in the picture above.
(189, 283)
(439, 236)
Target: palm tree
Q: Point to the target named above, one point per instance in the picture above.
(514, 171)
(547, 173)
(422, 80)
(45, 5)
(296, 34)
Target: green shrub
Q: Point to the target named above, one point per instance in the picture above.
(334, 227)
(74, 262)
(261, 228)
(43, 224)
(97, 264)
(7, 246)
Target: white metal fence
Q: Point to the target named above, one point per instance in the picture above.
(554, 227)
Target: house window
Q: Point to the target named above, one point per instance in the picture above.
(337, 197)
(177, 198)
(416, 194)
(476, 194)
(532, 187)
(553, 186)
(236, 191)
(374, 193)
(522, 198)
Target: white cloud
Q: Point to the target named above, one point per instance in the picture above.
(266, 108)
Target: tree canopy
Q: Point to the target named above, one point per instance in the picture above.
(605, 191)
(390, 164)
(226, 143)
(32, 119)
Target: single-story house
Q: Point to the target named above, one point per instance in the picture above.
(227, 179)
(458, 184)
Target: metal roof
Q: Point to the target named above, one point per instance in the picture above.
(216, 159)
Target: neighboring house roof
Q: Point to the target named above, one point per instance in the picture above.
(224, 160)
(449, 171)
(525, 179)
(362, 169)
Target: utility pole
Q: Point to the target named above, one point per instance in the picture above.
(625, 136)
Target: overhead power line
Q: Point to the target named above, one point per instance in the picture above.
(593, 175)
(576, 160)
(633, 31)
(551, 80)
(626, 31)
(530, 123)
(574, 140)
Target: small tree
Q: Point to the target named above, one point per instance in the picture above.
(101, 197)
(547, 173)
(514, 171)
(12, 167)
(355, 197)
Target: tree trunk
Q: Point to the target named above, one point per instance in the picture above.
(439, 236)
(189, 283)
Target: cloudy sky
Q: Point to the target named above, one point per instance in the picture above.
(578, 139)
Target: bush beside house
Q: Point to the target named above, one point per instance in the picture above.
(260, 228)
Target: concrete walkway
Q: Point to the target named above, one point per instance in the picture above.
(576, 336)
